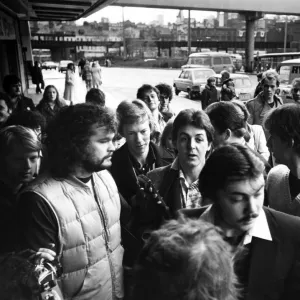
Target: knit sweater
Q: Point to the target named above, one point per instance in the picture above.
(278, 191)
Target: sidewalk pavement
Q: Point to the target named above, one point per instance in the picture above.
(52, 77)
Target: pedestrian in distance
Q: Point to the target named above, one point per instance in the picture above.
(87, 75)
(81, 65)
(259, 87)
(37, 77)
(210, 94)
(266, 100)
(96, 75)
(265, 243)
(228, 90)
(69, 93)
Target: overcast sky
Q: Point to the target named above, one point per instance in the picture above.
(144, 15)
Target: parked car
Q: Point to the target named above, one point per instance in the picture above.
(243, 87)
(191, 81)
(62, 67)
(49, 65)
(217, 61)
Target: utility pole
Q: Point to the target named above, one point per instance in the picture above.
(124, 38)
(189, 33)
(285, 34)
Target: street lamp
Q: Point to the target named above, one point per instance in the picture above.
(285, 34)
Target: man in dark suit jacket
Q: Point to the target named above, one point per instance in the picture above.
(269, 267)
(138, 155)
(177, 183)
(17, 101)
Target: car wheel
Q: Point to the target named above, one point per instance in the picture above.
(190, 94)
(176, 91)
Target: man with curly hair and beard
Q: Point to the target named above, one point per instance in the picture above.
(76, 205)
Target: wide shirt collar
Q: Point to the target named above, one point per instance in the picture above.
(259, 230)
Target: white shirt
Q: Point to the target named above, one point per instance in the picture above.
(259, 230)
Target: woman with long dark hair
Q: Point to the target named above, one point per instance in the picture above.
(50, 103)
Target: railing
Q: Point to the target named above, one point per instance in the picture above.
(160, 44)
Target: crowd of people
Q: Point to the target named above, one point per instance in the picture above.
(142, 203)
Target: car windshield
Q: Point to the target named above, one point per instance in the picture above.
(204, 61)
(284, 74)
(242, 83)
(202, 75)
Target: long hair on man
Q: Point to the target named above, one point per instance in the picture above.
(69, 132)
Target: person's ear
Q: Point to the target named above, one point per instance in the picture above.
(291, 143)
(209, 146)
(227, 134)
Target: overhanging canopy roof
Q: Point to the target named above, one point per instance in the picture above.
(286, 7)
(54, 10)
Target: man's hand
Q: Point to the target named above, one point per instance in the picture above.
(36, 257)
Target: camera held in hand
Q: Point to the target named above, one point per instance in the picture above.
(47, 275)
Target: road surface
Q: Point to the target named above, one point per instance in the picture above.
(122, 84)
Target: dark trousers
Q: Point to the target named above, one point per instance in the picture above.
(38, 89)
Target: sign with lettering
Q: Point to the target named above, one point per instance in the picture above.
(295, 69)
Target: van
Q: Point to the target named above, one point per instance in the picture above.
(288, 70)
(217, 61)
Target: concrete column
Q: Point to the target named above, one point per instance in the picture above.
(56, 54)
(250, 41)
(250, 18)
(189, 33)
(26, 40)
(22, 73)
(26, 49)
